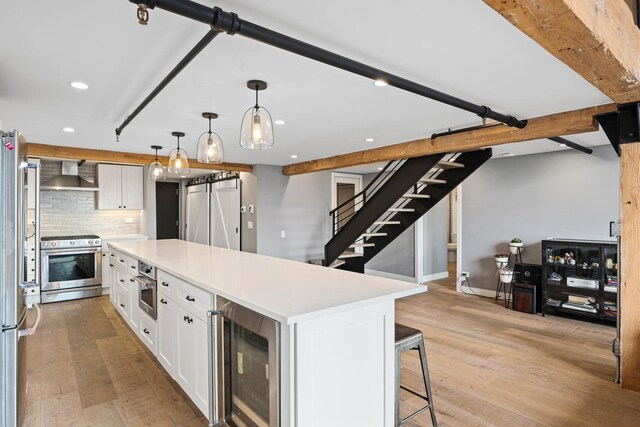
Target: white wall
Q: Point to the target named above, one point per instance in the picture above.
(564, 194)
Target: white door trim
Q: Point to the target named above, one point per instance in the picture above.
(458, 192)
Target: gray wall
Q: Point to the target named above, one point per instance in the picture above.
(300, 206)
(565, 194)
(248, 194)
(74, 212)
(436, 236)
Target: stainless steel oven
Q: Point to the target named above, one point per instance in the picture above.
(147, 289)
(71, 267)
(247, 361)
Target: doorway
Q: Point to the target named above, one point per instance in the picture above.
(344, 188)
(167, 210)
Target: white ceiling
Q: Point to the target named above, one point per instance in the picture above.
(458, 46)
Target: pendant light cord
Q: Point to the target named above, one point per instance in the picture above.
(257, 106)
(209, 126)
(156, 155)
(178, 143)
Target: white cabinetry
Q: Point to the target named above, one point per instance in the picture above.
(120, 187)
(182, 336)
(167, 333)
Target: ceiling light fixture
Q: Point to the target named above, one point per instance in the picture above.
(156, 170)
(280, 122)
(256, 131)
(563, 145)
(379, 169)
(210, 149)
(369, 140)
(294, 156)
(178, 159)
(79, 85)
(68, 130)
(506, 155)
(380, 83)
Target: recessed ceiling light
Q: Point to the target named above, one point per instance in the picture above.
(68, 130)
(280, 122)
(563, 145)
(369, 140)
(79, 85)
(294, 156)
(380, 83)
(506, 154)
(379, 169)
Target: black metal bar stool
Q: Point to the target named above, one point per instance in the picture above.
(411, 339)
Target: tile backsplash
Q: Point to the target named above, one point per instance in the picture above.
(74, 212)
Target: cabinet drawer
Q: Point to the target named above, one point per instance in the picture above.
(127, 263)
(148, 332)
(123, 302)
(188, 296)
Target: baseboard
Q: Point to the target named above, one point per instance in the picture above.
(389, 275)
(105, 291)
(435, 276)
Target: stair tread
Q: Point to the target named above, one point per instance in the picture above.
(337, 263)
(433, 181)
(448, 165)
(416, 196)
(401, 210)
(386, 223)
(350, 255)
(362, 245)
(373, 234)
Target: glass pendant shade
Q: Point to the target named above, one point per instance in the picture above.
(178, 159)
(256, 131)
(210, 148)
(156, 171)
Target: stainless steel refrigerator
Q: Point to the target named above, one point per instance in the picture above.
(18, 224)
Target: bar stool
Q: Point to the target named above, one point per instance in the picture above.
(408, 338)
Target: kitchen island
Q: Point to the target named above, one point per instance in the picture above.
(336, 328)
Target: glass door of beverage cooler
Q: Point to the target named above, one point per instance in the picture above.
(248, 367)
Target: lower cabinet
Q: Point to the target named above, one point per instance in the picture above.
(148, 331)
(167, 333)
(191, 357)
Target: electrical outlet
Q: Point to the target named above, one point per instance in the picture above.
(249, 225)
(283, 234)
(128, 220)
(465, 274)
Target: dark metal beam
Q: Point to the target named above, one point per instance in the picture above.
(232, 24)
(199, 47)
(573, 145)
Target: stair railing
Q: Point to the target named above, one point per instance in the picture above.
(340, 216)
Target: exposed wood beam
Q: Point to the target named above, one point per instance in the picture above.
(53, 151)
(567, 123)
(597, 39)
(629, 260)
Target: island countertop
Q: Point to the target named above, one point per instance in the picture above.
(287, 291)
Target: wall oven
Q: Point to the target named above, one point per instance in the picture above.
(247, 363)
(71, 267)
(147, 288)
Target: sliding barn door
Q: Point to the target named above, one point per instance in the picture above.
(225, 214)
(198, 213)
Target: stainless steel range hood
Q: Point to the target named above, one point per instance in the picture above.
(69, 180)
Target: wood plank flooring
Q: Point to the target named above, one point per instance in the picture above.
(86, 368)
(489, 366)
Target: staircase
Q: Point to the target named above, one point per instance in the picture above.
(403, 191)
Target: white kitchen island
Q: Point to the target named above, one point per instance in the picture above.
(336, 327)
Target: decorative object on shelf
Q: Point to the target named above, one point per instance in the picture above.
(178, 159)
(609, 263)
(501, 260)
(156, 170)
(515, 245)
(256, 131)
(506, 274)
(210, 148)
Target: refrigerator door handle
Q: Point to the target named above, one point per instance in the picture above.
(37, 279)
(32, 330)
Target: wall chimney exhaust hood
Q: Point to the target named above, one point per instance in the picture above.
(69, 180)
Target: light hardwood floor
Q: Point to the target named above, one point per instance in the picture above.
(489, 366)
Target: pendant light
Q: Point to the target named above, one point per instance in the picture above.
(256, 131)
(156, 170)
(178, 160)
(210, 149)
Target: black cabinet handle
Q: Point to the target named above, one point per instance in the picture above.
(190, 319)
(190, 299)
(120, 207)
(121, 260)
(122, 305)
(110, 265)
(133, 267)
(122, 280)
(125, 207)
(164, 284)
(185, 318)
(162, 301)
(146, 331)
(131, 280)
